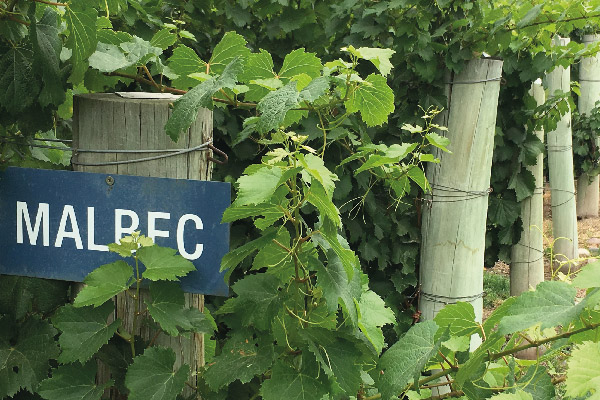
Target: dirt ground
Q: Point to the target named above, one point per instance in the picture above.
(588, 230)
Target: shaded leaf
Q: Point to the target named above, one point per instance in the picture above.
(290, 384)
(84, 330)
(337, 356)
(17, 88)
(404, 361)
(168, 309)
(241, 359)
(25, 357)
(337, 287)
(73, 382)
(153, 376)
(258, 299)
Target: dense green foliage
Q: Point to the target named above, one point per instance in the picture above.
(325, 231)
(586, 155)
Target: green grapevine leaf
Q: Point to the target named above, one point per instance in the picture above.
(315, 166)
(518, 395)
(73, 382)
(184, 62)
(82, 39)
(404, 361)
(374, 99)
(242, 358)
(372, 315)
(503, 212)
(334, 241)
(315, 89)
(441, 142)
(582, 372)
(537, 382)
(276, 259)
(468, 372)
(20, 295)
(337, 356)
(163, 264)
(459, 317)
(17, 88)
(379, 57)
(531, 15)
(152, 376)
(259, 186)
(337, 287)
(108, 58)
(588, 276)
(551, 304)
(299, 62)
(417, 175)
(275, 105)
(258, 66)
(231, 47)
(236, 256)
(84, 330)
(320, 199)
(258, 299)
(24, 358)
(523, 183)
(167, 308)
(530, 149)
(103, 283)
(287, 383)
(186, 108)
(163, 39)
(47, 47)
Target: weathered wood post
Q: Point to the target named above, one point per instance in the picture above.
(588, 191)
(527, 266)
(560, 170)
(454, 216)
(109, 122)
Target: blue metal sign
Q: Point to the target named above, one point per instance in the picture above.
(56, 224)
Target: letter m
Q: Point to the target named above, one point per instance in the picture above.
(42, 219)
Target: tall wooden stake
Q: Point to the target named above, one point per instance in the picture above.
(527, 266)
(588, 191)
(560, 169)
(106, 121)
(454, 218)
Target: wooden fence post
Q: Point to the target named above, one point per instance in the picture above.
(527, 266)
(454, 216)
(588, 192)
(560, 169)
(109, 122)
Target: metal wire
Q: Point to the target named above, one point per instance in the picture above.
(170, 153)
(436, 298)
(454, 194)
(167, 152)
(473, 82)
(558, 149)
